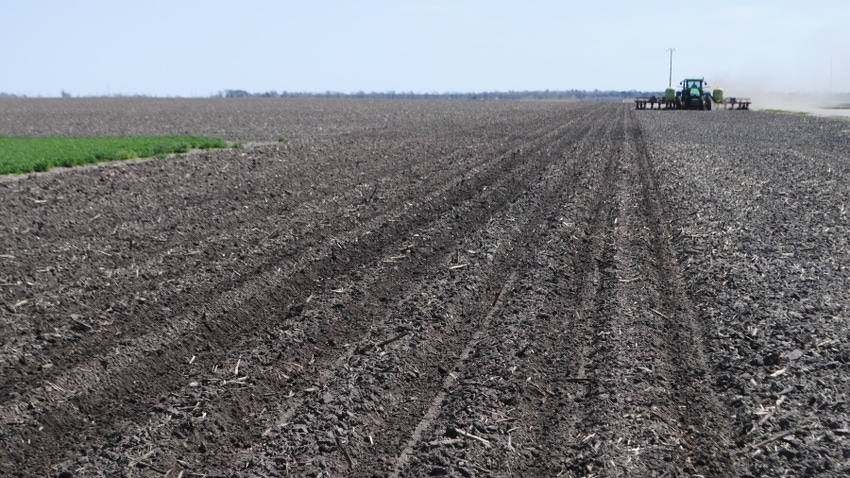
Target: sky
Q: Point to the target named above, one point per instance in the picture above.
(198, 48)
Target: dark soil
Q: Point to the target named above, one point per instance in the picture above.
(428, 288)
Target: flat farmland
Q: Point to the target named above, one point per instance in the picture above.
(428, 288)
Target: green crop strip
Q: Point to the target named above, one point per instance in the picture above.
(786, 112)
(25, 155)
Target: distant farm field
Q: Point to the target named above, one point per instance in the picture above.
(428, 288)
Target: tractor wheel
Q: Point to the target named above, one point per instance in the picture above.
(708, 104)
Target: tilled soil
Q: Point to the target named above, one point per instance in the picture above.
(428, 288)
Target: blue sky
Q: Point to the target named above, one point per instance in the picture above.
(197, 48)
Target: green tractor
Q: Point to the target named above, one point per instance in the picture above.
(693, 96)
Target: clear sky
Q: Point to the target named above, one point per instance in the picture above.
(198, 48)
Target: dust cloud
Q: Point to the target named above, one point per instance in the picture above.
(765, 95)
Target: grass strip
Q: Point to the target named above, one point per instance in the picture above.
(785, 112)
(25, 155)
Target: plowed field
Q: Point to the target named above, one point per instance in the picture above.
(428, 288)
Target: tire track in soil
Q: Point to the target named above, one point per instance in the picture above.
(173, 356)
(651, 408)
(450, 381)
(517, 381)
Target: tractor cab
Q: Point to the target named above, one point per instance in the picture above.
(693, 83)
(693, 87)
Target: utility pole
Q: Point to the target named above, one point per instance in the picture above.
(671, 50)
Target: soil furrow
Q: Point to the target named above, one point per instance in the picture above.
(704, 428)
(363, 368)
(450, 381)
(518, 351)
(211, 257)
(176, 353)
(240, 228)
(268, 252)
(428, 288)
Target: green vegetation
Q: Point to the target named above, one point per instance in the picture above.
(24, 155)
(786, 112)
(282, 139)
